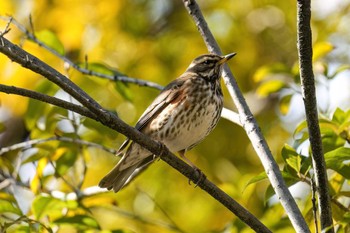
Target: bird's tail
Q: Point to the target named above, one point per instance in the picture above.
(117, 178)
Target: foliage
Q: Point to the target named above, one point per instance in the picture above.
(51, 186)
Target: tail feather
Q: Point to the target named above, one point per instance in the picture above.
(116, 179)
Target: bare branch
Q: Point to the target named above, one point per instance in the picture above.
(310, 104)
(27, 60)
(250, 125)
(33, 142)
(231, 116)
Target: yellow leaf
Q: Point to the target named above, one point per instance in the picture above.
(35, 184)
(270, 87)
(321, 49)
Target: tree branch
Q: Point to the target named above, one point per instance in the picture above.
(250, 125)
(310, 104)
(27, 60)
(30, 143)
(47, 99)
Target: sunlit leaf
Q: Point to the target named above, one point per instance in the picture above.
(101, 68)
(79, 221)
(321, 49)
(284, 104)
(47, 205)
(262, 176)
(263, 72)
(301, 127)
(341, 116)
(51, 40)
(123, 89)
(269, 87)
(335, 160)
(292, 158)
(65, 161)
(7, 206)
(36, 181)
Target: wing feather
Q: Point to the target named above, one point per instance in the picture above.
(167, 95)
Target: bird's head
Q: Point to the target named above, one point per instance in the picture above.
(209, 66)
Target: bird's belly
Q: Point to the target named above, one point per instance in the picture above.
(182, 127)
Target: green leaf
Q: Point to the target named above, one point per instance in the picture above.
(66, 161)
(300, 128)
(269, 87)
(124, 90)
(321, 49)
(284, 104)
(79, 221)
(46, 205)
(36, 156)
(101, 68)
(7, 206)
(292, 158)
(335, 161)
(264, 72)
(342, 118)
(51, 40)
(262, 176)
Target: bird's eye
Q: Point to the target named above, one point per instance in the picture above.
(206, 62)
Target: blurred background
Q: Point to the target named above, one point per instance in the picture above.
(156, 40)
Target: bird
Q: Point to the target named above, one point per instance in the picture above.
(180, 117)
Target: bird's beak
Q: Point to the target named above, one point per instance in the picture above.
(226, 58)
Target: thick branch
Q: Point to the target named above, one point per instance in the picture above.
(310, 103)
(250, 125)
(112, 121)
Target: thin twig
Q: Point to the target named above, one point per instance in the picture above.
(231, 116)
(250, 125)
(27, 60)
(30, 143)
(115, 77)
(310, 104)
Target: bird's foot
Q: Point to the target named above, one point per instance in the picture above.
(163, 150)
(201, 177)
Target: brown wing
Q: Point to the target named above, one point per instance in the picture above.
(168, 94)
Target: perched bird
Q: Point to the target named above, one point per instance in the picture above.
(182, 115)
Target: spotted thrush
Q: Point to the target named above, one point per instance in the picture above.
(182, 115)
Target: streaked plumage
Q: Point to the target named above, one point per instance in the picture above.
(182, 115)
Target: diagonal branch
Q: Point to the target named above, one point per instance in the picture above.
(27, 60)
(250, 125)
(47, 99)
(310, 104)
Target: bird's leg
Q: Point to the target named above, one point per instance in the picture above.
(200, 173)
(163, 150)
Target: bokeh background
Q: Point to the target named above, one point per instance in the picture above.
(155, 40)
